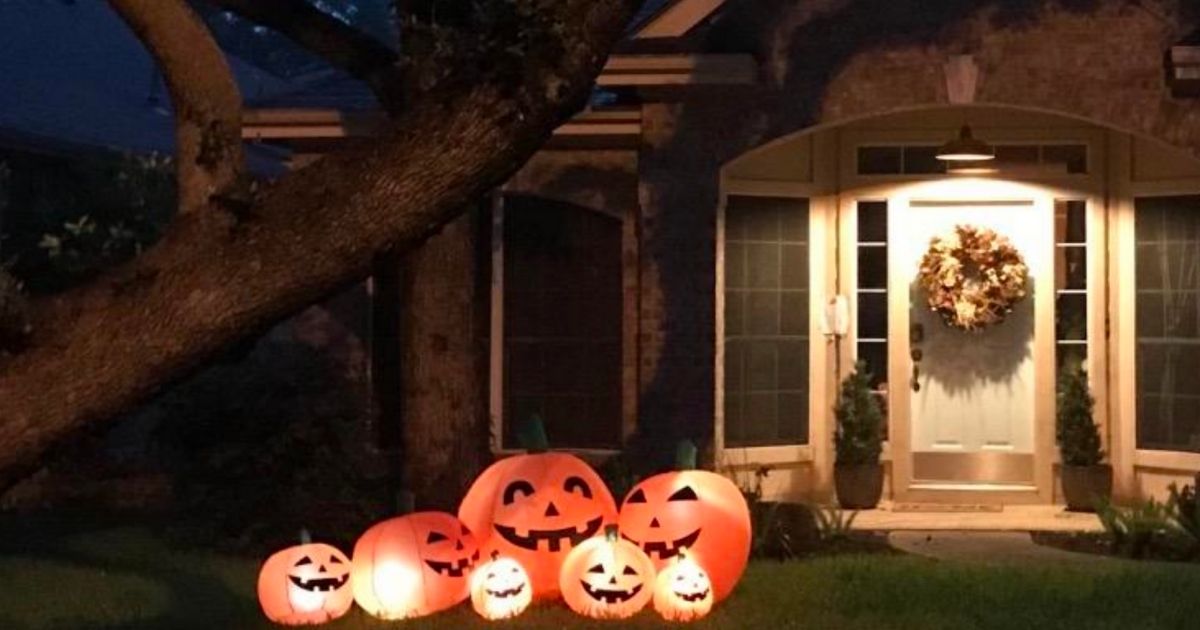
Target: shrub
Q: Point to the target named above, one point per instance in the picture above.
(859, 435)
(1185, 512)
(1139, 530)
(1078, 436)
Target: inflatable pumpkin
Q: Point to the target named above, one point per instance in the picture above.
(534, 509)
(304, 585)
(413, 565)
(683, 591)
(607, 578)
(500, 588)
(695, 510)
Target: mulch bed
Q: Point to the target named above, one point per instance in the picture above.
(1098, 544)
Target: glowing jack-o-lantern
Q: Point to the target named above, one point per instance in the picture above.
(413, 565)
(305, 585)
(696, 510)
(500, 588)
(535, 508)
(683, 591)
(607, 578)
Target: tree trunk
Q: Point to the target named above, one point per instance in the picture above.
(100, 349)
(443, 406)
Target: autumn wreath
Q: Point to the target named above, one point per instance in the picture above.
(973, 277)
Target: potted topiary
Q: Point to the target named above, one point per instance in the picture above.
(858, 441)
(1086, 480)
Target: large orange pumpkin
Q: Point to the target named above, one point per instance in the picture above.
(695, 510)
(607, 578)
(683, 590)
(305, 585)
(413, 565)
(500, 588)
(535, 508)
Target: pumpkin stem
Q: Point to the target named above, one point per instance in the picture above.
(685, 455)
(611, 533)
(531, 435)
(305, 537)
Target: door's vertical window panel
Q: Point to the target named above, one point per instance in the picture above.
(872, 294)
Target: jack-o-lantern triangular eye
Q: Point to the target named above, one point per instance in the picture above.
(334, 560)
(599, 568)
(630, 571)
(435, 537)
(637, 497)
(684, 494)
(303, 561)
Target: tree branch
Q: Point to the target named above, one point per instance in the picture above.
(342, 45)
(105, 347)
(204, 95)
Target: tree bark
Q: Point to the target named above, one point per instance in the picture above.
(443, 413)
(98, 350)
(207, 103)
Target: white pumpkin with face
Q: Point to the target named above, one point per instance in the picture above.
(683, 590)
(500, 588)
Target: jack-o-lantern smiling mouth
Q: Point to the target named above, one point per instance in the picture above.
(665, 549)
(610, 596)
(323, 585)
(453, 569)
(505, 594)
(693, 597)
(553, 537)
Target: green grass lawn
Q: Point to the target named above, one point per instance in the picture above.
(127, 577)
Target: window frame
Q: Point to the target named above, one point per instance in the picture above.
(822, 230)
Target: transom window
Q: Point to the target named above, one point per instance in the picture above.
(921, 159)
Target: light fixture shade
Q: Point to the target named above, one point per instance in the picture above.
(966, 148)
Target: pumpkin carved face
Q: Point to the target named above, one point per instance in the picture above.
(607, 579)
(535, 508)
(413, 565)
(683, 591)
(306, 584)
(500, 589)
(695, 510)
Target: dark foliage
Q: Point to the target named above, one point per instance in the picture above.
(859, 435)
(1078, 436)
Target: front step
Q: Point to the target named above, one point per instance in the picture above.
(974, 517)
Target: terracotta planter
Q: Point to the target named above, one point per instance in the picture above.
(1085, 486)
(859, 486)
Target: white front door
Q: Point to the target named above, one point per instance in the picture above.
(972, 396)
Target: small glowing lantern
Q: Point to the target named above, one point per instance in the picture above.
(500, 588)
(607, 578)
(412, 566)
(305, 585)
(534, 508)
(683, 591)
(696, 510)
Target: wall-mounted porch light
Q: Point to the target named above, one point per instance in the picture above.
(966, 148)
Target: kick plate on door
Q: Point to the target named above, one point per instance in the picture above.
(996, 468)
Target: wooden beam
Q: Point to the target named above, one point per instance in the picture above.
(678, 18)
(666, 70)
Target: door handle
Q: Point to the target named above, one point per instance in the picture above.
(916, 378)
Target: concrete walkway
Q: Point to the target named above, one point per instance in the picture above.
(987, 548)
(1008, 518)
